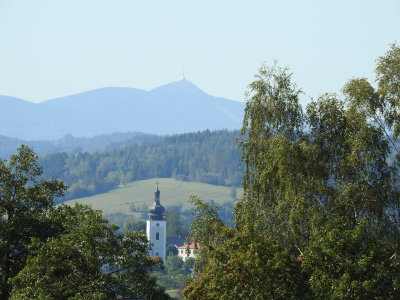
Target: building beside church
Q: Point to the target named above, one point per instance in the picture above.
(188, 251)
(156, 228)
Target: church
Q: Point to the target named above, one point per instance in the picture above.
(156, 228)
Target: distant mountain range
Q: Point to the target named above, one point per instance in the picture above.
(177, 107)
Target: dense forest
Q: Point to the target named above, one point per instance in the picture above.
(208, 156)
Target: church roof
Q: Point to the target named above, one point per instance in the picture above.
(156, 210)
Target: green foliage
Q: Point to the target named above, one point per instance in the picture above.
(175, 274)
(173, 264)
(175, 225)
(338, 167)
(63, 252)
(320, 213)
(133, 226)
(275, 197)
(382, 104)
(236, 265)
(120, 219)
(24, 204)
(207, 228)
(69, 265)
(189, 263)
(388, 78)
(171, 250)
(272, 107)
(347, 262)
(247, 267)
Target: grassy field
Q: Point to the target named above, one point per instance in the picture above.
(173, 192)
(172, 293)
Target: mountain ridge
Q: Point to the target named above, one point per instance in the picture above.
(173, 108)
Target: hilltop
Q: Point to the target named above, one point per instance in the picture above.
(140, 194)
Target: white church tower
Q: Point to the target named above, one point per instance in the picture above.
(156, 228)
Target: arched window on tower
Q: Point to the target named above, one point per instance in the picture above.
(157, 236)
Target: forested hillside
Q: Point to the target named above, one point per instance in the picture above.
(209, 157)
(73, 145)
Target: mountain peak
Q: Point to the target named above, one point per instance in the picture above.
(182, 86)
(181, 107)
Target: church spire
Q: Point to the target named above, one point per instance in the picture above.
(157, 210)
(157, 195)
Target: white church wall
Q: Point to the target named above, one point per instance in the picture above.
(156, 231)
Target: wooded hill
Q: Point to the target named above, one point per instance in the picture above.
(209, 156)
(74, 145)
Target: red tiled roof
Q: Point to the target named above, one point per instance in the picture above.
(190, 246)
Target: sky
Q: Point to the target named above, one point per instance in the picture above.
(55, 48)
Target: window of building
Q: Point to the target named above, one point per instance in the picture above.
(157, 236)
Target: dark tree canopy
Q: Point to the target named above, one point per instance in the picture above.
(88, 260)
(64, 252)
(25, 202)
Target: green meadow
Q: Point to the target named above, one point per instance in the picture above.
(173, 293)
(141, 193)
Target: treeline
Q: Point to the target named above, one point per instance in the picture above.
(74, 145)
(208, 157)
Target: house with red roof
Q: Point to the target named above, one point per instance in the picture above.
(188, 250)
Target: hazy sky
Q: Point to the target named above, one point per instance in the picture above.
(54, 48)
